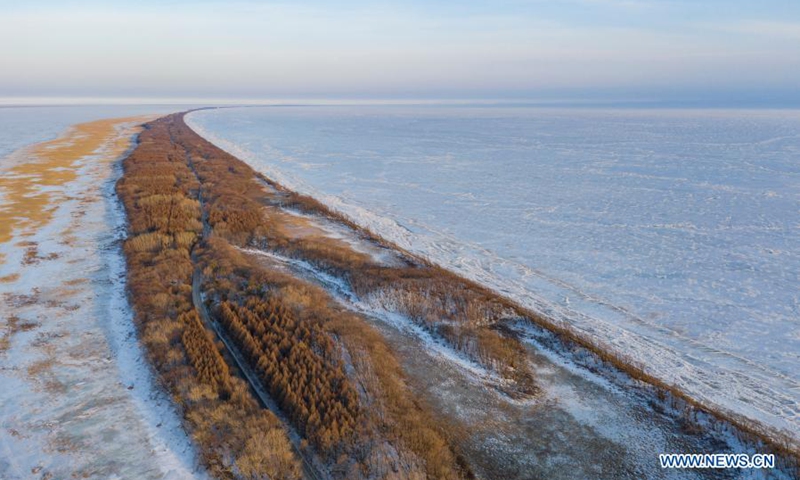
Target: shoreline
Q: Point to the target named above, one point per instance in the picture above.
(567, 339)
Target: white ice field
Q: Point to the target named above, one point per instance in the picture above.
(671, 236)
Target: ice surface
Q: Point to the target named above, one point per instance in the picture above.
(671, 236)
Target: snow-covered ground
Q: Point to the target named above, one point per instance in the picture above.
(77, 399)
(670, 236)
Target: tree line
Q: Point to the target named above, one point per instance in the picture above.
(296, 362)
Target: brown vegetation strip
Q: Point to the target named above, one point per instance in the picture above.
(236, 437)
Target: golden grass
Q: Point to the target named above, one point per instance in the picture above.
(13, 277)
(37, 368)
(27, 205)
(235, 436)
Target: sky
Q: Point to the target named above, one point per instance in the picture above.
(737, 52)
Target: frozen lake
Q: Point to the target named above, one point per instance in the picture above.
(671, 236)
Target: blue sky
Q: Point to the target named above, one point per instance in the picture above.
(718, 52)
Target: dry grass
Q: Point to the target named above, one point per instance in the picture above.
(14, 325)
(159, 193)
(388, 416)
(26, 202)
(10, 278)
(36, 369)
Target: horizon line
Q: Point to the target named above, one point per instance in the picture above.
(64, 101)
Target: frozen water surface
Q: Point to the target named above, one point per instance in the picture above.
(672, 236)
